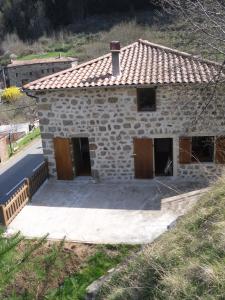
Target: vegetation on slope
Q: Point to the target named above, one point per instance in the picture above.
(22, 110)
(38, 269)
(85, 44)
(31, 19)
(185, 263)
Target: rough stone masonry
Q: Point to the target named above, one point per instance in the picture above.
(109, 118)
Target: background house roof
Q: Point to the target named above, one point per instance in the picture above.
(141, 63)
(16, 63)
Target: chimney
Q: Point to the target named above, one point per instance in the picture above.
(115, 50)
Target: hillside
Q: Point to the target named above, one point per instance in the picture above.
(185, 263)
(84, 43)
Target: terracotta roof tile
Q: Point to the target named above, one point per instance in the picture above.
(141, 63)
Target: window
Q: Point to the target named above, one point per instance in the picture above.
(202, 149)
(53, 70)
(16, 74)
(146, 99)
(42, 71)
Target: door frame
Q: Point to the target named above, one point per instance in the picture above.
(175, 145)
(73, 154)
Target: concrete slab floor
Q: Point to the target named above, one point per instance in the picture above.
(83, 211)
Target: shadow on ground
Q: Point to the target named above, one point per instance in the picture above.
(122, 196)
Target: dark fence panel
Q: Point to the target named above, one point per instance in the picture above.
(16, 202)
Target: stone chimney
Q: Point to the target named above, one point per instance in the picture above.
(115, 50)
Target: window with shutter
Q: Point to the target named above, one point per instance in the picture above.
(220, 150)
(185, 150)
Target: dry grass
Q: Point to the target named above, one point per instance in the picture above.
(185, 263)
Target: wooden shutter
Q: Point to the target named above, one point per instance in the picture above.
(185, 150)
(143, 158)
(63, 158)
(220, 150)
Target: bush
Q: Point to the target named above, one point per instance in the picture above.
(12, 93)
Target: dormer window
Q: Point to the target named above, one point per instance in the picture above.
(146, 99)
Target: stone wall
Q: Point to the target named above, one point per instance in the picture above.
(21, 74)
(109, 118)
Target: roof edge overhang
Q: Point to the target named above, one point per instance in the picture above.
(115, 86)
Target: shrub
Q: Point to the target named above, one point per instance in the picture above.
(12, 93)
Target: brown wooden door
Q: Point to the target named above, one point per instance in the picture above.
(63, 158)
(143, 158)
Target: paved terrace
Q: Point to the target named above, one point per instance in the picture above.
(83, 211)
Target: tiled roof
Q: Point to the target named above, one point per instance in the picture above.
(16, 63)
(141, 63)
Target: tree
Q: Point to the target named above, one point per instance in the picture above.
(24, 17)
(203, 19)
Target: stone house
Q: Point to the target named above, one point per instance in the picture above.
(138, 112)
(20, 72)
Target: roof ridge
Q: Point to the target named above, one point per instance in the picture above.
(179, 52)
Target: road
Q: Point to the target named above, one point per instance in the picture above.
(18, 167)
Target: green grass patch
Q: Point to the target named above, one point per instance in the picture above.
(41, 55)
(184, 263)
(49, 54)
(35, 133)
(17, 146)
(105, 258)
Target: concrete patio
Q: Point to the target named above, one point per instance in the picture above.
(83, 211)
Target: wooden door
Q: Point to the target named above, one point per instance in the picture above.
(143, 158)
(63, 158)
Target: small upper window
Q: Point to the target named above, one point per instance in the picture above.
(202, 148)
(42, 71)
(146, 99)
(31, 73)
(16, 74)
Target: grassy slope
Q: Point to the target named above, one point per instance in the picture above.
(20, 111)
(185, 263)
(35, 133)
(86, 46)
(34, 269)
(93, 37)
(23, 142)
